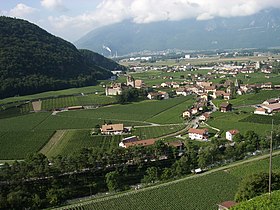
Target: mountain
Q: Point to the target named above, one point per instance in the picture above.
(260, 30)
(32, 60)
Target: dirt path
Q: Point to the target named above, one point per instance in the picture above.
(37, 105)
(52, 142)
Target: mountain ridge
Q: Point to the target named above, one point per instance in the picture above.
(189, 34)
(33, 60)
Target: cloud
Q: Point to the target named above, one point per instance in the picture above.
(21, 10)
(147, 11)
(53, 5)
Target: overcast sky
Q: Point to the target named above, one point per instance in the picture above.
(73, 19)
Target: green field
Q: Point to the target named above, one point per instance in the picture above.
(17, 144)
(156, 131)
(91, 99)
(235, 120)
(203, 191)
(74, 140)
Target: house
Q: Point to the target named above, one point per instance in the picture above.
(194, 111)
(198, 134)
(114, 89)
(187, 114)
(271, 101)
(134, 141)
(230, 134)
(226, 205)
(139, 83)
(127, 140)
(158, 95)
(177, 144)
(225, 107)
(112, 129)
(260, 111)
(272, 107)
(267, 85)
(227, 96)
(210, 89)
(219, 93)
(182, 91)
(204, 117)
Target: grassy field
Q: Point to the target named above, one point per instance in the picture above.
(195, 193)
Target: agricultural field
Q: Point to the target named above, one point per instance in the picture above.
(263, 119)
(91, 99)
(197, 192)
(156, 131)
(17, 144)
(71, 91)
(235, 120)
(74, 140)
(251, 98)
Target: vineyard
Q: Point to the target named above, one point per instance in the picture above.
(156, 131)
(74, 140)
(262, 119)
(17, 144)
(203, 191)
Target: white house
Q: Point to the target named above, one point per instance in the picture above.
(260, 111)
(230, 134)
(187, 114)
(198, 134)
(112, 129)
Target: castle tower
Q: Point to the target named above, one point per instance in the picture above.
(130, 81)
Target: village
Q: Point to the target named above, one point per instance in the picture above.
(204, 90)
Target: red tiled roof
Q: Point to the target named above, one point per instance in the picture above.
(233, 132)
(198, 131)
(146, 142)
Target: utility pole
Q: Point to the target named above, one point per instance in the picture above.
(270, 161)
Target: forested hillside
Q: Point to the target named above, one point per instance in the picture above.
(32, 60)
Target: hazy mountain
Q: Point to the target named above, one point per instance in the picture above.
(260, 30)
(32, 60)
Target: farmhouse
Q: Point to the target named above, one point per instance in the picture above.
(158, 95)
(271, 101)
(260, 111)
(198, 134)
(112, 129)
(225, 107)
(134, 141)
(230, 134)
(187, 114)
(272, 107)
(204, 117)
(182, 91)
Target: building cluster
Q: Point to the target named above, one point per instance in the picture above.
(268, 107)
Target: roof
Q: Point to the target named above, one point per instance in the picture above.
(130, 139)
(177, 143)
(225, 105)
(233, 132)
(146, 142)
(260, 109)
(112, 127)
(228, 204)
(138, 83)
(273, 107)
(198, 131)
(272, 101)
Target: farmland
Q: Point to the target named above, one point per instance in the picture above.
(35, 129)
(74, 140)
(188, 193)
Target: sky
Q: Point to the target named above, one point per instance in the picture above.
(73, 19)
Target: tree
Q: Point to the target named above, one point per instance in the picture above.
(166, 174)
(255, 185)
(151, 175)
(113, 181)
(55, 196)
